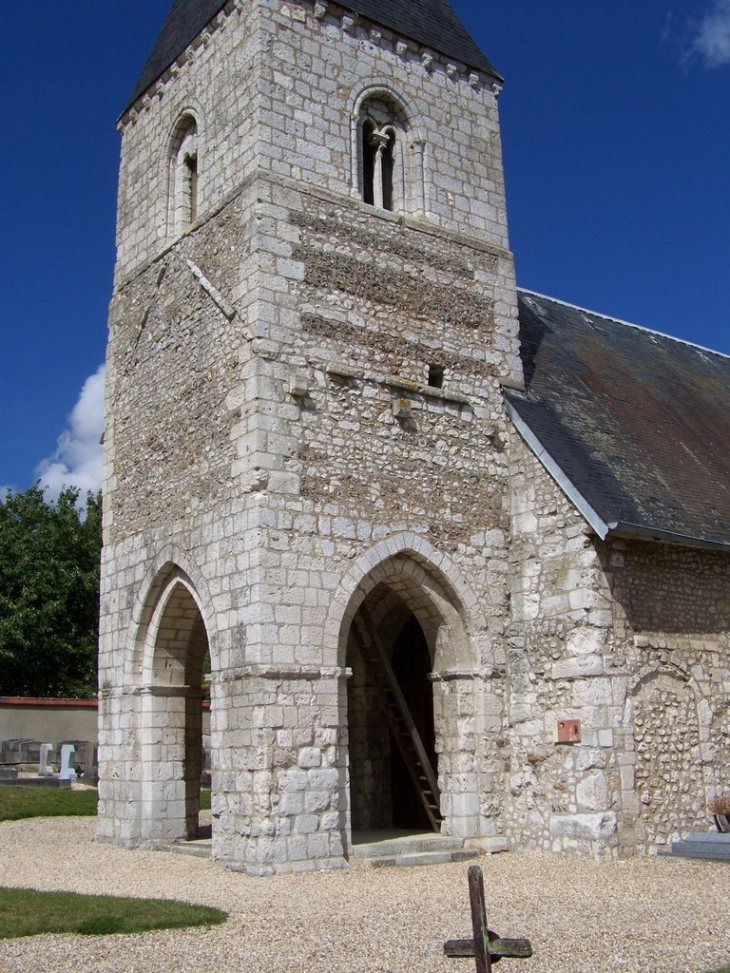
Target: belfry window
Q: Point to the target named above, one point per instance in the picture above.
(378, 152)
(190, 186)
(184, 176)
(381, 131)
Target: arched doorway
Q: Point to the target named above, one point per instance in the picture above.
(392, 754)
(177, 655)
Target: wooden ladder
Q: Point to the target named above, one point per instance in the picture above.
(399, 717)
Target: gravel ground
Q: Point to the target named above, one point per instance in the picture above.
(648, 915)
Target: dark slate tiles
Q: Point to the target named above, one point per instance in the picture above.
(184, 22)
(430, 22)
(638, 422)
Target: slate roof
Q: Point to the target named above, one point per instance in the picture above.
(636, 424)
(431, 22)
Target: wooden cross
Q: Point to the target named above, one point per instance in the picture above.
(486, 947)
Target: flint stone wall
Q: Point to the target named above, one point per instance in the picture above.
(631, 639)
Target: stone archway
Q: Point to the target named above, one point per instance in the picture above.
(171, 728)
(669, 773)
(404, 592)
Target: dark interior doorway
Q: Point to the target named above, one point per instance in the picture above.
(411, 664)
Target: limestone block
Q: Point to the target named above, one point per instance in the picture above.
(594, 827)
(585, 641)
(292, 802)
(592, 793)
(593, 692)
(465, 805)
(589, 758)
(306, 824)
(574, 668)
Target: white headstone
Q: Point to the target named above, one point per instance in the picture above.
(43, 769)
(67, 772)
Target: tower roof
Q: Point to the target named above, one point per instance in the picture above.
(431, 22)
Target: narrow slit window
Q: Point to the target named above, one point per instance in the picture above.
(386, 172)
(184, 176)
(190, 175)
(368, 163)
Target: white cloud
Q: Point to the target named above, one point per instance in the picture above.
(711, 36)
(77, 460)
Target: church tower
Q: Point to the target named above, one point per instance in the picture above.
(305, 488)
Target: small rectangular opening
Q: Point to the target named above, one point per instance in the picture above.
(436, 376)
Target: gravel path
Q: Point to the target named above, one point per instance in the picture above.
(582, 916)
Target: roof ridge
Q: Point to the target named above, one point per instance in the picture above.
(628, 324)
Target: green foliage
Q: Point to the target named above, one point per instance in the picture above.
(49, 594)
(46, 802)
(24, 912)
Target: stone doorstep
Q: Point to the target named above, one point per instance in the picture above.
(200, 848)
(394, 848)
(421, 858)
(401, 849)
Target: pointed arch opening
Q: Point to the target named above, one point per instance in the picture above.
(403, 629)
(174, 714)
(669, 770)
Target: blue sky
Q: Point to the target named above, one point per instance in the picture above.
(615, 134)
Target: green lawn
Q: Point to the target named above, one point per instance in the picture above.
(24, 912)
(48, 802)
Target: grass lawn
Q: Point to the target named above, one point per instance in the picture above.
(48, 802)
(24, 912)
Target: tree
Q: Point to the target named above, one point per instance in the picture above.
(49, 594)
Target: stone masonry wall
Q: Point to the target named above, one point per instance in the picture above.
(273, 441)
(559, 665)
(269, 496)
(672, 628)
(177, 357)
(213, 80)
(630, 638)
(274, 87)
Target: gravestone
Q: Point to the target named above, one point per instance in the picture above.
(43, 769)
(68, 752)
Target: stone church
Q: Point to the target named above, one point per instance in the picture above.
(438, 554)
